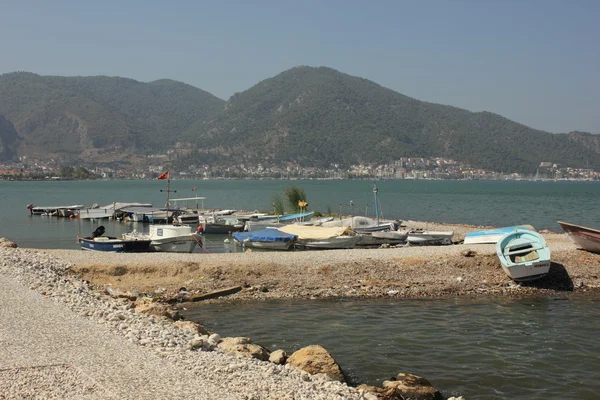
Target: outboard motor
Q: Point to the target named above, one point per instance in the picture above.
(98, 232)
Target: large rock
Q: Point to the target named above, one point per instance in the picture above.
(158, 309)
(404, 387)
(7, 243)
(243, 348)
(316, 360)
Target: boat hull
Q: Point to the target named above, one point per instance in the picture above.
(428, 238)
(491, 236)
(114, 245)
(339, 242)
(169, 238)
(177, 244)
(586, 238)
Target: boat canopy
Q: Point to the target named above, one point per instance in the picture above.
(314, 232)
(264, 235)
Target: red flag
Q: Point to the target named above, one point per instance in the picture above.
(164, 175)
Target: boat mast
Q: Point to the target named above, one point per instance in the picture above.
(375, 190)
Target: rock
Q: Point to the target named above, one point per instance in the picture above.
(158, 309)
(7, 243)
(192, 327)
(370, 392)
(316, 360)
(215, 339)
(278, 357)
(242, 348)
(409, 386)
(468, 253)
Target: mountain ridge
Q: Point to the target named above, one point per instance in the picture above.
(312, 116)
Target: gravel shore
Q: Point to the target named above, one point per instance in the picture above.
(421, 271)
(61, 329)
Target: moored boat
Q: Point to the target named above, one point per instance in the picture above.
(97, 242)
(429, 238)
(317, 237)
(169, 238)
(586, 238)
(492, 235)
(524, 255)
(268, 239)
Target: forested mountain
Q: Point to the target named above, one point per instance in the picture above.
(79, 116)
(8, 140)
(317, 116)
(311, 116)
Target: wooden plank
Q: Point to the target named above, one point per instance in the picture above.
(211, 295)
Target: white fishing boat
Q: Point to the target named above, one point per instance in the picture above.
(379, 238)
(421, 237)
(109, 210)
(169, 238)
(362, 224)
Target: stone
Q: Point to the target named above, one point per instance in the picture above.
(409, 386)
(190, 326)
(316, 360)
(468, 253)
(158, 309)
(242, 348)
(7, 243)
(278, 357)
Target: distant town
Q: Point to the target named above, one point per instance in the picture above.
(404, 168)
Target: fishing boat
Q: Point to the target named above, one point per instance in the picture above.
(60, 211)
(220, 225)
(524, 255)
(365, 224)
(492, 235)
(97, 242)
(268, 239)
(169, 238)
(586, 238)
(275, 221)
(378, 238)
(317, 237)
(421, 237)
(109, 210)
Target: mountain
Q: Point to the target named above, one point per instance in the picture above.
(306, 115)
(9, 139)
(318, 116)
(87, 117)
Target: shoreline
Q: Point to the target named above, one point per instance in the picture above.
(404, 272)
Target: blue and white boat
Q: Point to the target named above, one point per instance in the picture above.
(97, 242)
(492, 235)
(268, 238)
(524, 255)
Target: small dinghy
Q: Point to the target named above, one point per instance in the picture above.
(524, 255)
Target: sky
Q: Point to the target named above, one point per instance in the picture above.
(536, 62)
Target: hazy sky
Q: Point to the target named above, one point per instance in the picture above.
(533, 61)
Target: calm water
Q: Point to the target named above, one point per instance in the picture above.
(481, 348)
(498, 203)
(536, 348)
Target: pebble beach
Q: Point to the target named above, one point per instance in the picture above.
(68, 337)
